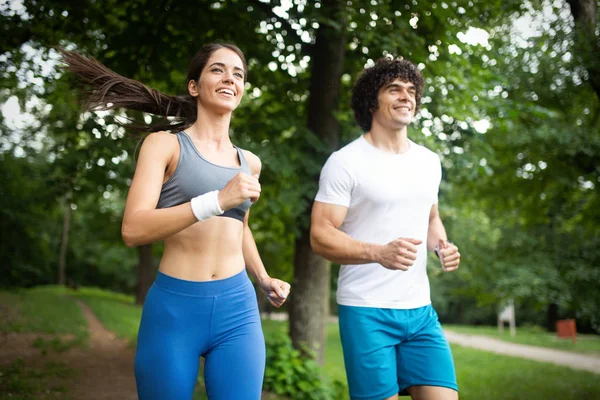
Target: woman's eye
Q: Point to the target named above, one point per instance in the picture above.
(216, 70)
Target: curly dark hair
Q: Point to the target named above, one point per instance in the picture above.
(366, 88)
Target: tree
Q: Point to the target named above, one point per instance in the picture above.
(587, 44)
(310, 304)
(536, 171)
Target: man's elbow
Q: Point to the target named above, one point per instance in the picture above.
(315, 242)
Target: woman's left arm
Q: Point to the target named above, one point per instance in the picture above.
(275, 289)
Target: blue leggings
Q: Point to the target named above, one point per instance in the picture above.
(183, 321)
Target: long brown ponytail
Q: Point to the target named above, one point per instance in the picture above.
(109, 90)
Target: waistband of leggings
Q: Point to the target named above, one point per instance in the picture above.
(202, 288)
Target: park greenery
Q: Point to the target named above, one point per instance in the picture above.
(512, 106)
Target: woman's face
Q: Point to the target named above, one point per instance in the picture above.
(221, 84)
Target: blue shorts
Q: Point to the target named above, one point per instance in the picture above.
(183, 321)
(388, 350)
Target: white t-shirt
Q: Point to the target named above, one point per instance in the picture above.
(388, 196)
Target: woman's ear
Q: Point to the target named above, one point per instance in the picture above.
(193, 88)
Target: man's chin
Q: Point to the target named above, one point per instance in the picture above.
(404, 122)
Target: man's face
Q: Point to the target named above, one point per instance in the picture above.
(397, 104)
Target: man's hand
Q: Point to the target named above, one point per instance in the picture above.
(449, 255)
(398, 254)
(276, 290)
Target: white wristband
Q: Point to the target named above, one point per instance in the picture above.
(206, 205)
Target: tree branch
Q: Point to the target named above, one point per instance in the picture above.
(586, 42)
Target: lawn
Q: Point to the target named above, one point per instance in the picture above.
(60, 325)
(41, 310)
(535, 336)
(481, 375)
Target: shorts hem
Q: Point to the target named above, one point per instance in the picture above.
(448, 385)
(384, 395)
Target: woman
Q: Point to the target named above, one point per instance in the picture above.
(193, 189)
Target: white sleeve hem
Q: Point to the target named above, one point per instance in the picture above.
(331, 200)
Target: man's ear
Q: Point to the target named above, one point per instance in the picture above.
(193, 88)
(374, 108)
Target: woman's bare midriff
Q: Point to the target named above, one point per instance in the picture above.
(206, 251)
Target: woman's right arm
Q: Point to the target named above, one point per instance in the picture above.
(142, 222)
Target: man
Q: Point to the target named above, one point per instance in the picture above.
(376, 214)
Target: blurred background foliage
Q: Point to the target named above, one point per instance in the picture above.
(511, 106)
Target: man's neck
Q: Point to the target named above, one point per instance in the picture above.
(391, 141)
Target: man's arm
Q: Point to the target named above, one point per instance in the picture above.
(436, 230)
(436, 235)
(329, 241)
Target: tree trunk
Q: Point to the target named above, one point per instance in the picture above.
(309, 306)
(64, 242)
(145, 275)
(586, 41)
(551, 317)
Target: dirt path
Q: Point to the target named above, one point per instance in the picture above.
(102, 371)
(558, 357)
(106, 368)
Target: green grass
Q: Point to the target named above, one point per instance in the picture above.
(535, 336)
(41, 310)
(46, 310)
(18, 381)
(484, 375)
(481, 375)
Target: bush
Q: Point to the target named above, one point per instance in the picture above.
(291, 374)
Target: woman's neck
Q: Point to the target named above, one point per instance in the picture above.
(211, 128)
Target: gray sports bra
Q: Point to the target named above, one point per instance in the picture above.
(195, 176)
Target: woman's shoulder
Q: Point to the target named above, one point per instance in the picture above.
(160, 139)
(253, 161)
(163, 137)
(160, 144)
